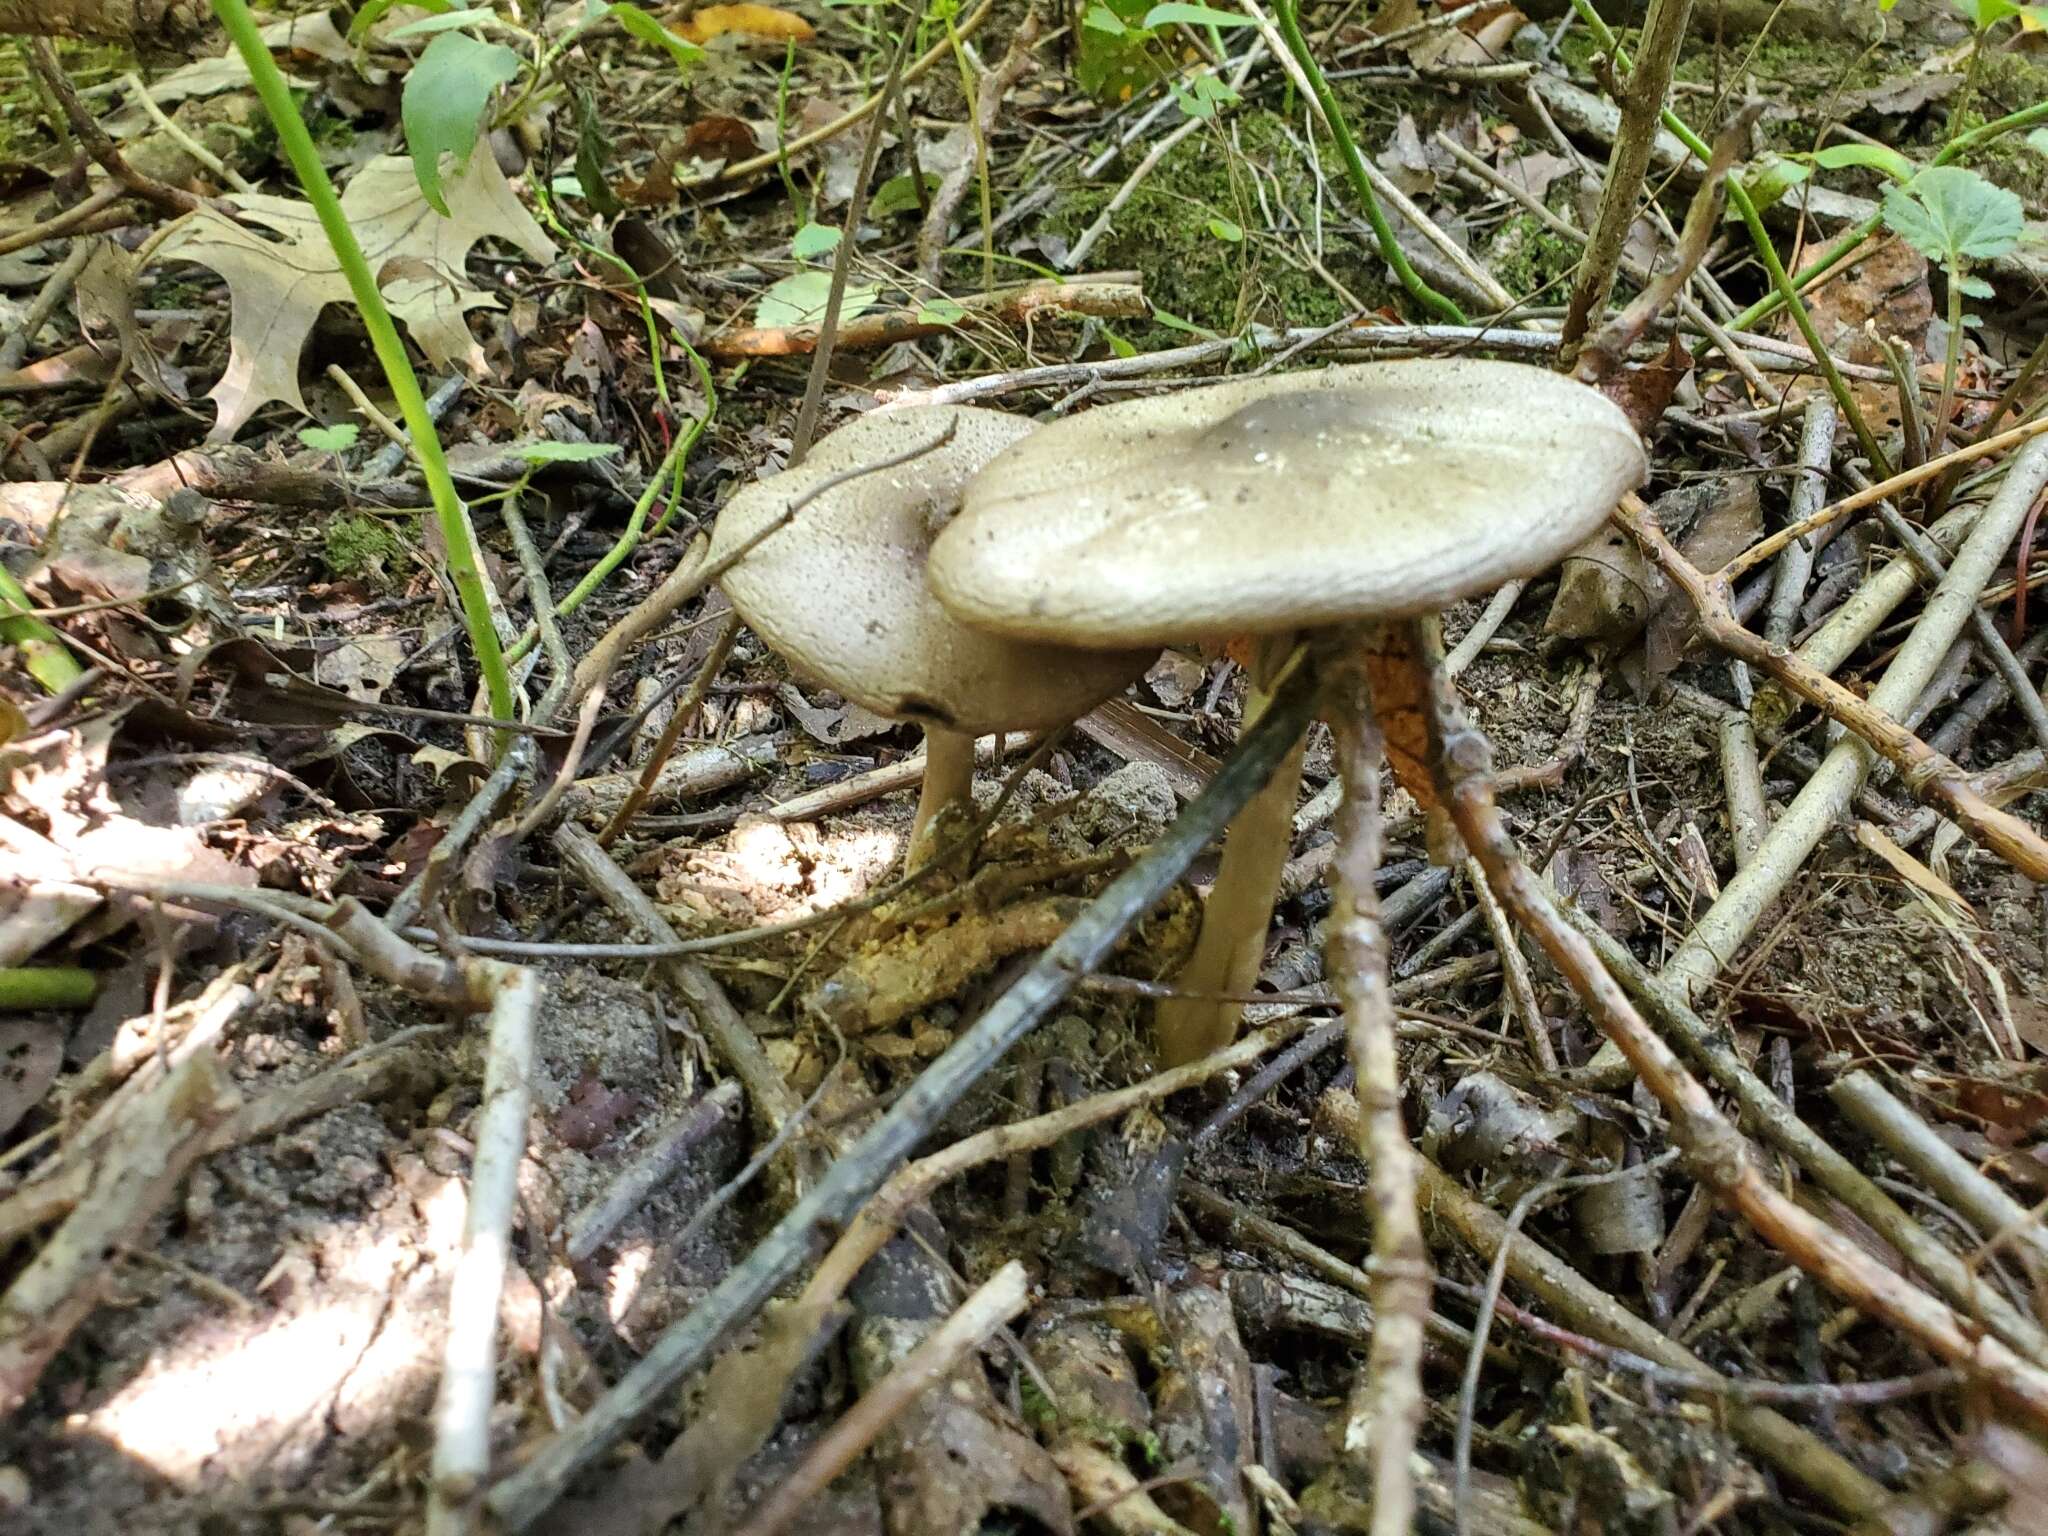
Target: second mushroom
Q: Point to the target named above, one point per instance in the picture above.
(840, 593)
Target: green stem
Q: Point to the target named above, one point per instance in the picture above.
(42, 649)
(1288, 14)
(1846, 244)
(1767, 251)
(464, 567)
(1937, 437)
(45, 986)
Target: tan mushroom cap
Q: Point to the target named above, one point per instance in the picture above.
(1367, 491)
(840, 592)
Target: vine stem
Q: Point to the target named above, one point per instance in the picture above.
(1288, 15)
(1767, 251)
(464, 567)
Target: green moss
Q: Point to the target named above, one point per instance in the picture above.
(355, 545)
(1531, 259)
(1163, 233)
(2007, 82)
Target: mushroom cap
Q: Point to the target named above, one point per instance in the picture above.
(840, 592)
(1367, 491)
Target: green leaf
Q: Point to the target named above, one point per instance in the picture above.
(1203, 95)
(447, 21)
(813, 241)
(374, 11)
(1114, 60)
(564, 453)
(898, 195)
(1770, 177)
(1981, 14)
(1224, 230)
(1117, 344)
(940, 311)
(1972, 287)
(648, 30)
(2037, 141)
(799, 299)
(1178, 13)
(1951, 215)
(1875, 157)
(443, 106)
(591, 148)
(1174, 322)
(338, 438)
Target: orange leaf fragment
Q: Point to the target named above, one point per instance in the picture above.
(767, 22)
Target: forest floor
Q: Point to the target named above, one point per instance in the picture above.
(236, 1153)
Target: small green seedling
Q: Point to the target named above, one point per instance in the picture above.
(337, 439)
(1125, 44)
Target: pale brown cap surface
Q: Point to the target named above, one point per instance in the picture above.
(840, 592)
(1368, 491)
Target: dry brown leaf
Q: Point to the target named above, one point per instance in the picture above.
(1404, 720)
(277, 288)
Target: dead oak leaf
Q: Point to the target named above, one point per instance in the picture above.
(277, 287)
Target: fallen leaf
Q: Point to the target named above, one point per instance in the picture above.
(364, 666)
(277, 287)
(834, 727)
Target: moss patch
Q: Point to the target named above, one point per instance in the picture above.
(1532, 261)
(1164, 232)
(355, 545)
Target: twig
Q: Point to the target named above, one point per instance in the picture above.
(1927, 773)
(1649, 82)
(226, 174)
(998, 1300)
(42, 59)
(1109, 296)
(1861, 1097)
(1809, 486)
(1386, 1406)
(1514, 970)
(806, 429)
(1788, 1447)
(1714, 1151)
(89, 217)
(1742, 775)
(469, 1358)
(945, 200)
(1926, 554)
(521, 1498)
(1484, 628)
(22, 335)
(680, 720)
(1482, 1323)
(739, 1047)
(135, 1172)
(1764, 549)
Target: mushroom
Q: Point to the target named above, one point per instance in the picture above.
(840, 593)
(1268, 507)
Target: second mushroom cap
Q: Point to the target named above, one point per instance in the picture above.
(1368, 491)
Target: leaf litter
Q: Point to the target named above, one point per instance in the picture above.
(278, 713)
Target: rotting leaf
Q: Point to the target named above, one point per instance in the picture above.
(1403, 712)
(277, 288)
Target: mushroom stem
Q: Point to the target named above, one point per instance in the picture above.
(1240, 908)
(948, 780)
